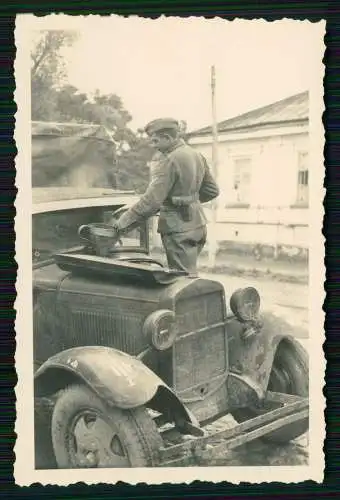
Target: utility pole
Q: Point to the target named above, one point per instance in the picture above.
(212, 233)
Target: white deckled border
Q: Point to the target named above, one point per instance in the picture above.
(25, 474)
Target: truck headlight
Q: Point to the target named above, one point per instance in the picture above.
(160, 329)
(245, 304)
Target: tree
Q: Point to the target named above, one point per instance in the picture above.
(48, 71)
(53, 99)
(183, 126)
(130, 170)
(106, 110)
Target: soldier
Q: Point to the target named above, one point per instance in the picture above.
(180, 181)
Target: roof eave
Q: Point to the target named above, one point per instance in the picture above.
(205, 133)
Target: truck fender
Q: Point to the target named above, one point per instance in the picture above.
(254, 357)
(119, 379)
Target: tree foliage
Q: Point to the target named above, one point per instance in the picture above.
(48, 71)
(55, 100)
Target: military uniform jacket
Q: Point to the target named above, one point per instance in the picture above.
(180, 177)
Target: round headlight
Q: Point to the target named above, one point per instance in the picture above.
(160, 329)
(245, 304)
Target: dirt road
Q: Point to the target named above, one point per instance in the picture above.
(289, 301)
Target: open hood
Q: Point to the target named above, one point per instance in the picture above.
(109, 268)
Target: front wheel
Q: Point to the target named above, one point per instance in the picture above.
(289, 375)
(86, 432)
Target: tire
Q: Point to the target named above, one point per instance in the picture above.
(289, 375)
(86, 432)
(43, 447)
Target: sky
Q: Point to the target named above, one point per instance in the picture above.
(162, 67)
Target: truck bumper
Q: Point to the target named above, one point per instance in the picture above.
(205, 448)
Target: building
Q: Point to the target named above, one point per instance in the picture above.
(263, 170)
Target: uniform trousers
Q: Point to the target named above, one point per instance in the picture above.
(182, 249)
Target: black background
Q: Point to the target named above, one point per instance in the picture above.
(314, 11)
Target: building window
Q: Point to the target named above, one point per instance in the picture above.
(242, 178)
(302, 180)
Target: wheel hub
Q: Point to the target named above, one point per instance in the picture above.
(94, 443)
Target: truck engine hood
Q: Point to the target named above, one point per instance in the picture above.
(49, 277)
(94, 269)
(146, 270)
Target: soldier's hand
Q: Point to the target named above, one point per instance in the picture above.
(116, 227)
(115, 224)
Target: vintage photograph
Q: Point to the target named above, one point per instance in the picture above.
(170, 284)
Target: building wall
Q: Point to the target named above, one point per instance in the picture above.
(267, 212)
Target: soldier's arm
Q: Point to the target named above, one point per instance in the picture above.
(209, 189)
(163, 177)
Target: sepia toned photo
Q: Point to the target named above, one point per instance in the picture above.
(170, 250)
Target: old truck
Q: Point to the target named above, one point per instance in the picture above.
(133, 362)
(133, 356)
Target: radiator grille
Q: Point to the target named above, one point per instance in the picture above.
(199, 356)
(118, 326)
(118, 331)
(46, 336)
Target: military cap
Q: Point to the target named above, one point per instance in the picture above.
(161, 124)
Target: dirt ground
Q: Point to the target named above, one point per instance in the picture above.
(288, 301)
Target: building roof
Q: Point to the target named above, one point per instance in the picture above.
(292, 110)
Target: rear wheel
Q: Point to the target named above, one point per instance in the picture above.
(86, 432)
(289, 375)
